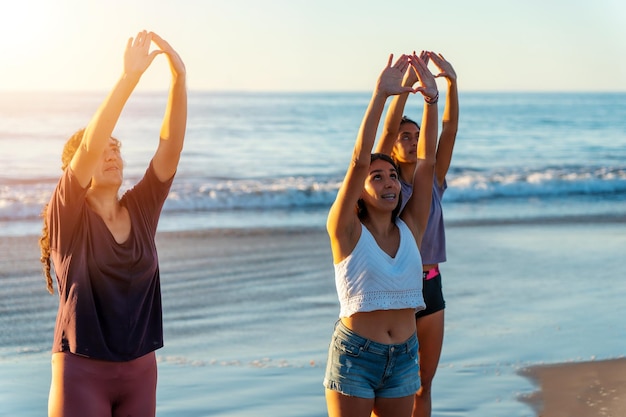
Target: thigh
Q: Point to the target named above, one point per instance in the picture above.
(430, 330)
(393, 407)
(340, 405)
(75, 390)
(137, 388)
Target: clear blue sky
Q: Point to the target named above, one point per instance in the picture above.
(322, 45)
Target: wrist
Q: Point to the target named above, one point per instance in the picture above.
(179, 78)
(131, 77)
(431, 100)
(380, 95)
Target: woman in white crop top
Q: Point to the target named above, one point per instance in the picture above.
(372, 363)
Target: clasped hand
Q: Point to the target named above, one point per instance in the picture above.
(391, 79)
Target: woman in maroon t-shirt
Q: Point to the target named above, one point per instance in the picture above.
(102, 247)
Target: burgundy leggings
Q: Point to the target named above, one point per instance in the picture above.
(87, 387)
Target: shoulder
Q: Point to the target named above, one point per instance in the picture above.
(343, 241)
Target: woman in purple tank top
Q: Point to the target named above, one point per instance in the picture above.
(400, 140)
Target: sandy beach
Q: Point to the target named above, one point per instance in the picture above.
(248, 315)
(586, 389)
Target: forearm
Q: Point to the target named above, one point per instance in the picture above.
(173, 129)
(367, 132)
(419, 204)
(102, 123)
(175, 119)
(100, 128)
(427, 144)
(392, 123)
(450, 119)
(449, 129)
(341, 217)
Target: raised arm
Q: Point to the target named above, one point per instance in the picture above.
(137, 59)
(417, 210)
(172, 135)
(342, 218)
(395, 111)
(450, 120)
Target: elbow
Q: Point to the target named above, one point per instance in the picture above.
(428, 163)
(425, 169)
(360, 160)
(389, 134)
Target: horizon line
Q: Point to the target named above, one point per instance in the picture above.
(321, 91)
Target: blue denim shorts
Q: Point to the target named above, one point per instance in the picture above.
(360, 367)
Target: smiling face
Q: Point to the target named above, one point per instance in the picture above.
(110, 169)
(381, 190)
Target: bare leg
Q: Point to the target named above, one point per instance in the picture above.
(430, 337)
(340, 405)
(393, 407)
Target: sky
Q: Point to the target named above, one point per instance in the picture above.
(320, 45)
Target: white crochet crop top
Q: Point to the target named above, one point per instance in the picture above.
(369, 279)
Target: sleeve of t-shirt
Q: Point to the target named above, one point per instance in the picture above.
(65, 210)
(148, 197)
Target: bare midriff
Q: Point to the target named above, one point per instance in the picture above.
(383, 326)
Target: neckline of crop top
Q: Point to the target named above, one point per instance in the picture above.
(405, 233)
(371, 237)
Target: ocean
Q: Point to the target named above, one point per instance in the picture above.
(277, 159)
(536, 229)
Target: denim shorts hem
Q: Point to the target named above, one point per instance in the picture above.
(352, 391)
(349, 390)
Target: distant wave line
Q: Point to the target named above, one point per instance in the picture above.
(24, 200)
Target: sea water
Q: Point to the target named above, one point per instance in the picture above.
(277, 159)
(528, 280)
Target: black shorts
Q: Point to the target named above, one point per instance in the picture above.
(433, 296)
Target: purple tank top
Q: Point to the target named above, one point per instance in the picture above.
(433, 248)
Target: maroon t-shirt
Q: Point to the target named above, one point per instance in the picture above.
(109, 293)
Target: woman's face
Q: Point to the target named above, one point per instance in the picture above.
(110, 170)
(382, 186)
(405, 146)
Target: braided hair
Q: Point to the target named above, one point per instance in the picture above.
(69, 149)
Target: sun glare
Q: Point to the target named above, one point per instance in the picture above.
(23, 24)
(29, 30)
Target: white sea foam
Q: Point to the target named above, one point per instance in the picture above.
(247, 153)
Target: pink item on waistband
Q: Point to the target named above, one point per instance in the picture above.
(431, 273)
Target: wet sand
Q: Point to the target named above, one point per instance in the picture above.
(227, 292)
(584, 389)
